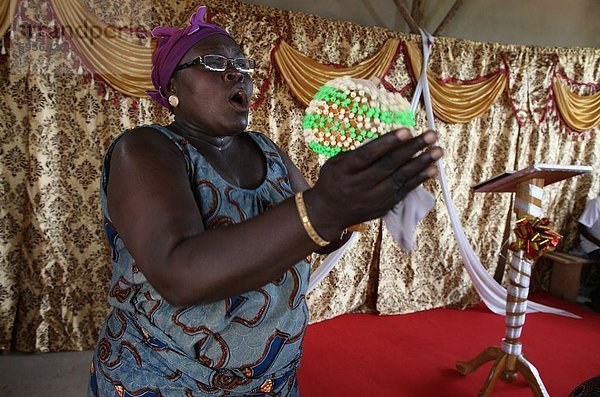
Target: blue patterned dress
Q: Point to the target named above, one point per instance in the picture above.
(246, 345)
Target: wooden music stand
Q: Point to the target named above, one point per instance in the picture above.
(528, 184)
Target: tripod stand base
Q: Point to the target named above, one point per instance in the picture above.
(506, 366)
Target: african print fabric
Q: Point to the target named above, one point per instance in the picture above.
(247, 345)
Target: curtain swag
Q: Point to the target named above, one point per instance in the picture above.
(125, 65)
(117, 58)
(7, 11)
(304, 76)
(457, 101)
(579, 112)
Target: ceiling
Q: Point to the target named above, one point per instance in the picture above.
(572, 23)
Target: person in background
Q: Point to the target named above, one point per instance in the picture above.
(589, 232)
(211, 226)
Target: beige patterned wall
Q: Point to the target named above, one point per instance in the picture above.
(55, 125)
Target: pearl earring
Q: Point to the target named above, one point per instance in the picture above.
(173, 100)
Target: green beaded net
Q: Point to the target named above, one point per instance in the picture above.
(346, 112)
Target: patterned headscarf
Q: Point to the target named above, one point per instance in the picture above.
(173, 44)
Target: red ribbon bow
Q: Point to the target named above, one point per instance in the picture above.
(535, 237)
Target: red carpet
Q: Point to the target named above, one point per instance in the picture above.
(414, 354)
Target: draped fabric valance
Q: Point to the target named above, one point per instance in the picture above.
(115, 56)
(579, 112)
(304, 76)
(118, 58)
(458, 101)
(7, 11)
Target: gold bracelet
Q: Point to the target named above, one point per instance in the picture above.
(310, 230)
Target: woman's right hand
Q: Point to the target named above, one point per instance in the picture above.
(365, 183)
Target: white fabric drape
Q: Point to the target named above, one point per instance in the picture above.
(492, 293)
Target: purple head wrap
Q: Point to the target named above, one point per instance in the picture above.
(173, 44)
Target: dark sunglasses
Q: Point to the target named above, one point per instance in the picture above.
(218, 63)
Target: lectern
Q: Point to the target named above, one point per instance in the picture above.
(528, 184)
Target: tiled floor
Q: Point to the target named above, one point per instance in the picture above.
(62, 374)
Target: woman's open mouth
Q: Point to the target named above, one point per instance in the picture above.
(239, 100)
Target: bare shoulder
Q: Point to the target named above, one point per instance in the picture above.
(145, 153)
(143, 139)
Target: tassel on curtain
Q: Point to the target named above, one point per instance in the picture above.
(579, 112)
(7, 11)
(304, 75)
(117, 58)
(458, 101)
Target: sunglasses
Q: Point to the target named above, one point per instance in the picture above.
(218, 63)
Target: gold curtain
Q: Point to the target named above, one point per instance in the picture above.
(55, 127)
(7, 11)
(458, 102)
(116, 56)
(304, 76)
(125, 64)
(579, 112)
